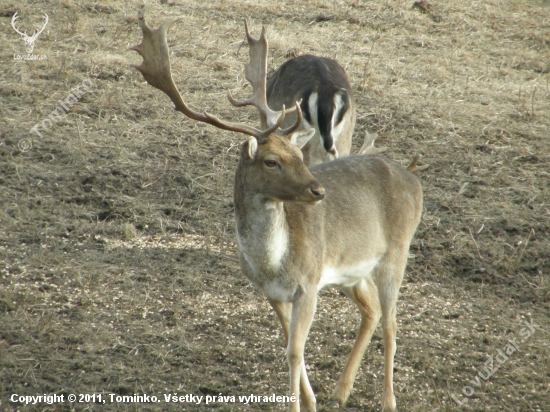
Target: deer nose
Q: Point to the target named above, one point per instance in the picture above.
(317, 191)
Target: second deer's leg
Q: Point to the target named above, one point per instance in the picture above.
(283, 311)
(365, 296)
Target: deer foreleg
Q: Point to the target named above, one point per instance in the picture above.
(283, 311)
(303, 310)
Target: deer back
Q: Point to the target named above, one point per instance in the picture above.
(327, 103)
(371, 204)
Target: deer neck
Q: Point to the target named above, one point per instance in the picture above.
(262, 229)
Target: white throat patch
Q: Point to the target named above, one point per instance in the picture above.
(267, 243)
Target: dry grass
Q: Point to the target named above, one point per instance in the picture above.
(118, 272)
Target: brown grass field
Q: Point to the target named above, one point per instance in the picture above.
(118, 272)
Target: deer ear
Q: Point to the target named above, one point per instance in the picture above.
(301, 137)
(250, 148)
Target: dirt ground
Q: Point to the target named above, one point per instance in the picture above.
(118, 272)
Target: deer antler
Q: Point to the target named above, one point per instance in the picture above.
(256, 73)
(29, 40)
(413, 167)
(36, 33)
(13, 19)
(156, 70)
(46, 19)
(368, 145)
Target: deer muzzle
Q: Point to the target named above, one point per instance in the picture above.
(316, 191)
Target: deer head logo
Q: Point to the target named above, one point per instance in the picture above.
(29, 40)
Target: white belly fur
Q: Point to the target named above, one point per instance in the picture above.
(347, 275)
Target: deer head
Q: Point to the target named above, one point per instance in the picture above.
(270, 155)
(29, 40)
(275, 169)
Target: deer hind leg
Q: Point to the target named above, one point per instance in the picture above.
(388, 282)
(365, 296)
(283, 311)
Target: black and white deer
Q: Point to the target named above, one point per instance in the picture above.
(321, 85)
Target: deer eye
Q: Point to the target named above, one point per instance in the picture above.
(270, 163)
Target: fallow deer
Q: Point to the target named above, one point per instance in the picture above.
(321, 85)
(346, 223)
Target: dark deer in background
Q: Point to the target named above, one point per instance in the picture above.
(321, 85)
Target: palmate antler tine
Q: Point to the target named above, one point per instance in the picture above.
(256, 73)
(156, 70)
